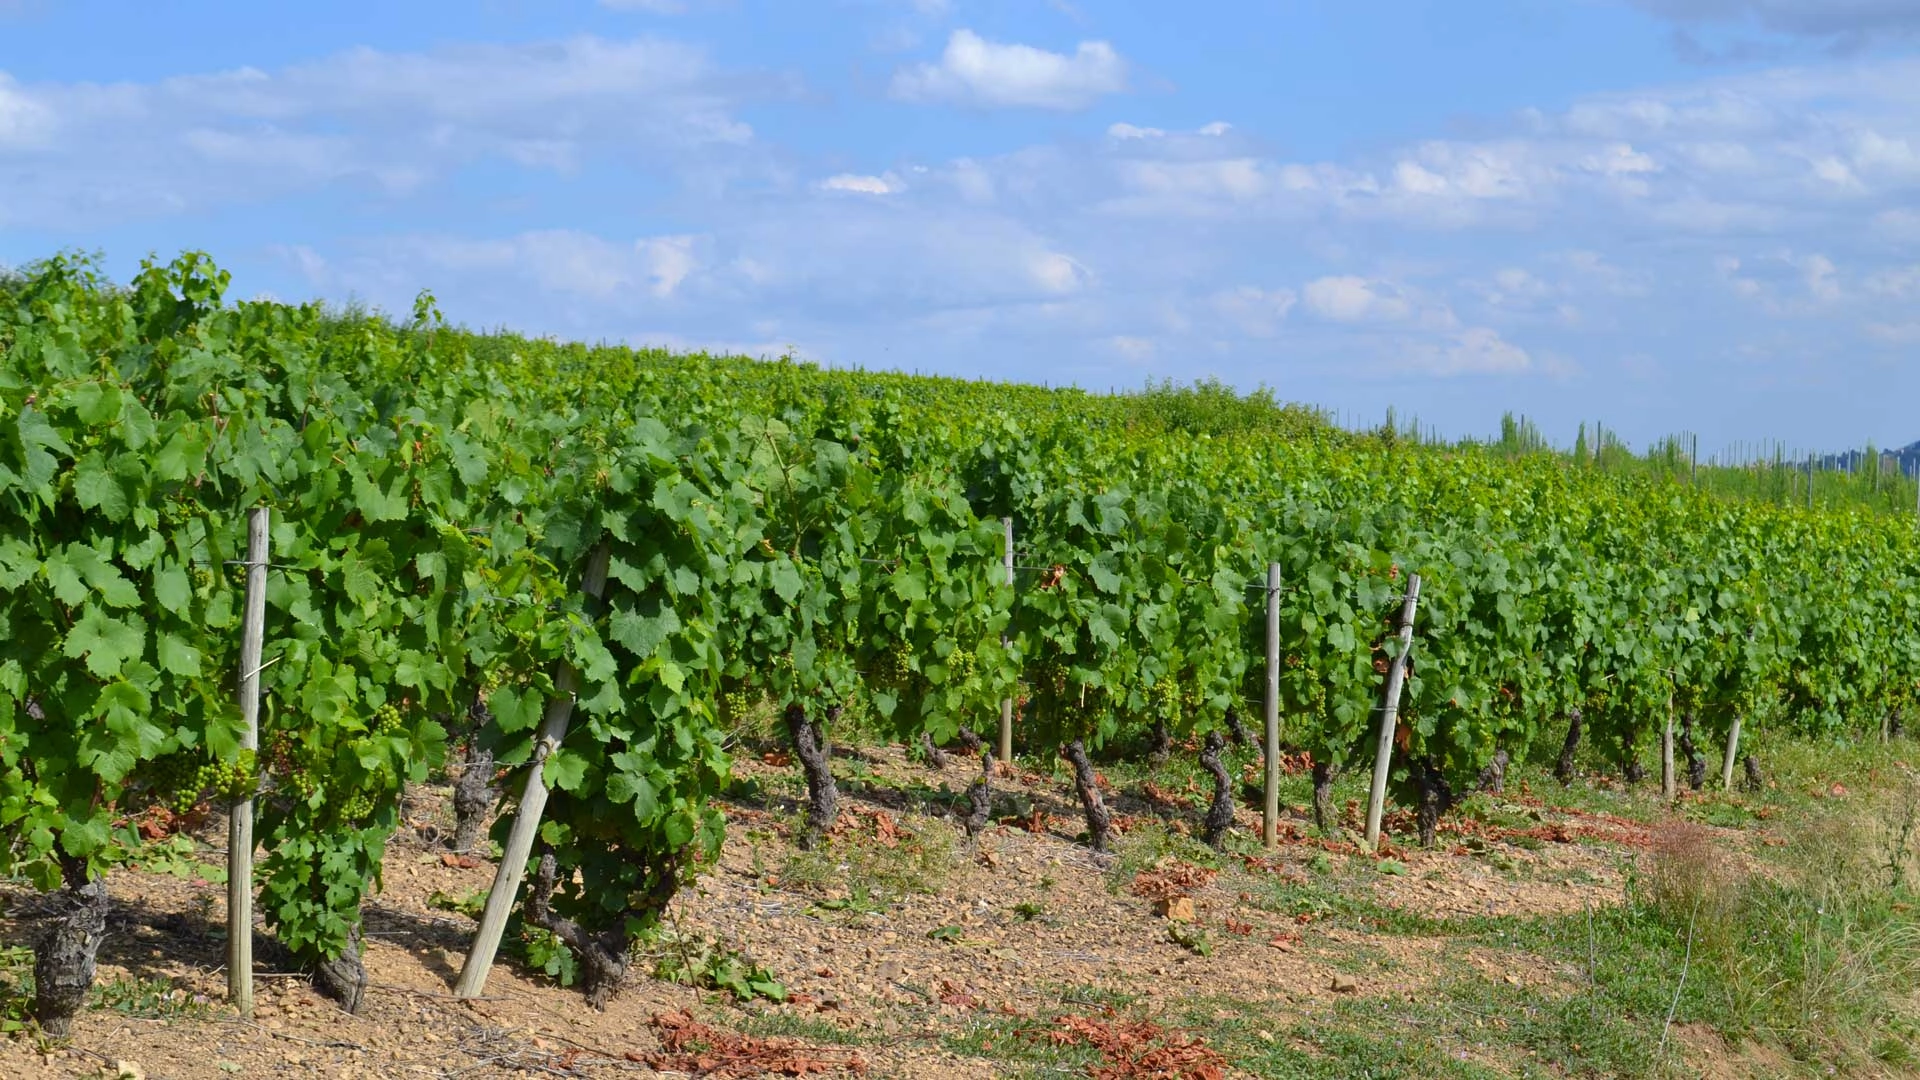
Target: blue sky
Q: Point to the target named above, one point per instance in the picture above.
(1664, 215)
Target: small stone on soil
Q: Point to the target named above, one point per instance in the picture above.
(1177, 909)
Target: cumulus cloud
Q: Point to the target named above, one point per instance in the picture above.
(1551, 240)
(1785, 283)
(1350, 299)
(1057, 273)
(1472, 351)
(975, 71)
(565, 261)
(1899, 283)
(390, 121)
(889, 184)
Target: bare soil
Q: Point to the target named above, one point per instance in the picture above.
(1012, 924)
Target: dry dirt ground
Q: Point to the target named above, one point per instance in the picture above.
(903, 946)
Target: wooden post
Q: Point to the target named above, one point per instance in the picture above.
(1270, 815)
(1733, 752)
(1390, 714)
(1669, 783)
(253, 626)
(533, 801)
(1006, 704)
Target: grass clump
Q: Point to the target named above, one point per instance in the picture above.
(1818, 951)
(1811, 949)
(871, 859)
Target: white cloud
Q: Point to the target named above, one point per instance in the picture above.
(1476, 171)
(1783, 283)
(888, 184)
(1520, 252)
(973, 182)
(390, 120)
(1820, 276)
(1057, 273)
(668, 259)
(562, 262)
(1620, 159)
(24, 120)
(1254, 311)
(1350, 299)
(1595, 272)
(1237, 179)
(1473, 351)
(975, 71)
(1899, 283)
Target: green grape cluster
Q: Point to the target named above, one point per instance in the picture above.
(202, 578)
(233, 779)
(285, 764)
(175, 781)
(1164, 698)
(736, 703)
(892, 668)
(963, 665)
(388, 719)
(494, 680)
(1049, 678)
(357, 808)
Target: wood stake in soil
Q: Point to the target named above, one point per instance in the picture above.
(1270, 817)
(253, 627)
(533, 801)
(1390, 714)
(1733, 754)
(1006, 704)
(1669, 780)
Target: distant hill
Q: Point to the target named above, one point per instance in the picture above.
(1906, 459)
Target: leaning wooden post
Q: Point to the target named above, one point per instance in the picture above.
(1733, 752)
(1270, 817)
(533, 801)
(1006, 704)
(253, 626)
(1390, 714)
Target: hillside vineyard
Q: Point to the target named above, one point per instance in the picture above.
(829, 543)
